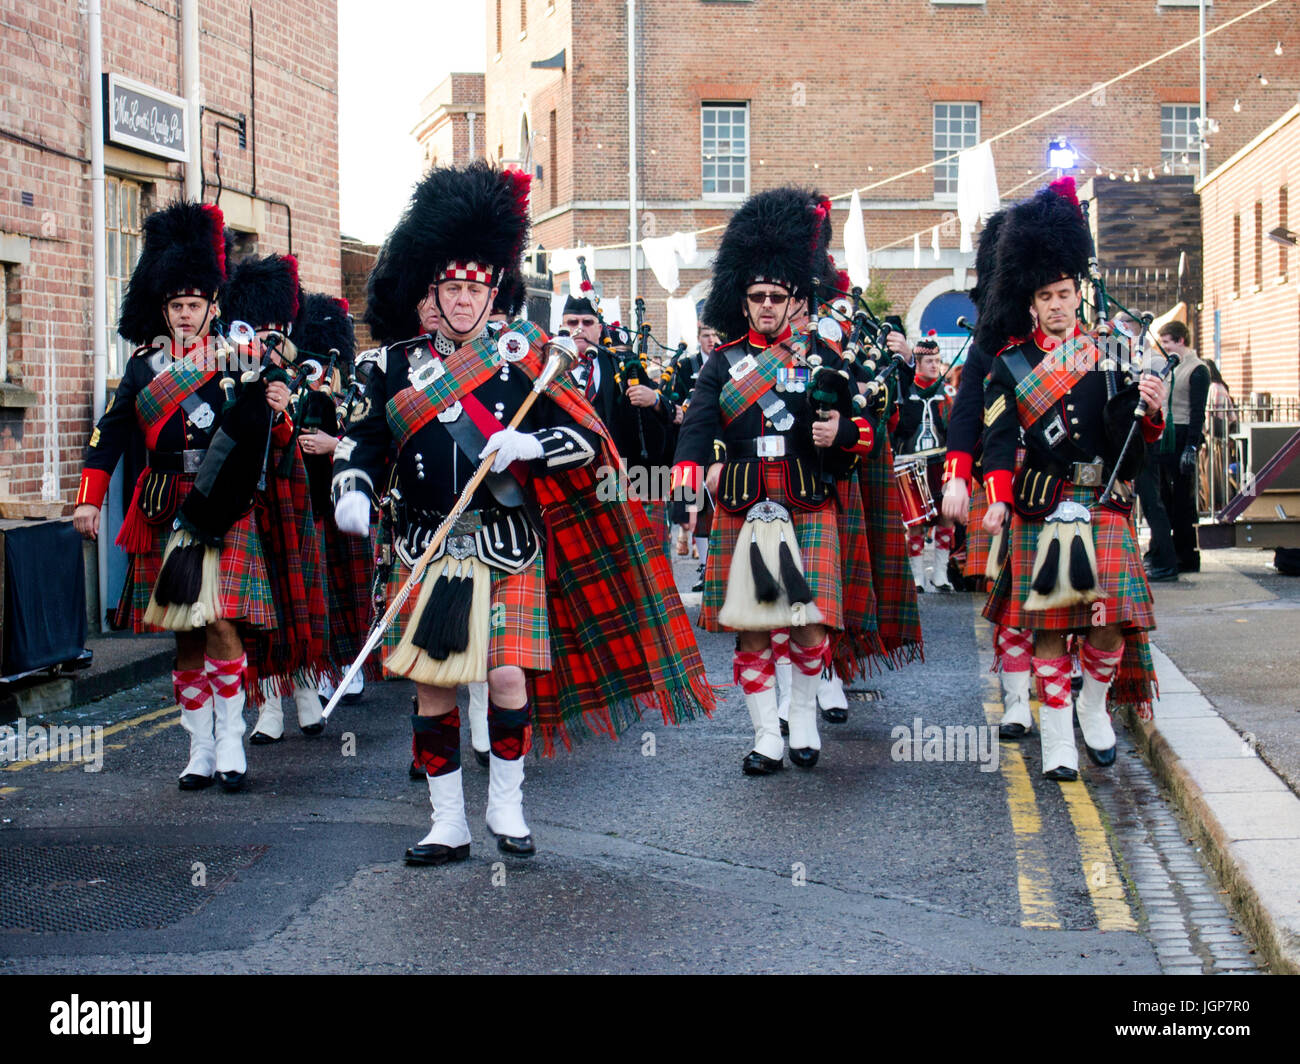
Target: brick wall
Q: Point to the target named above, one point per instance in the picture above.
(841, 95)
(1259, 323)
(294, 122)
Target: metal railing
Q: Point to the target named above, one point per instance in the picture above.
(1225, 458)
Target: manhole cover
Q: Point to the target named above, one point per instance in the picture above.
(69, 889)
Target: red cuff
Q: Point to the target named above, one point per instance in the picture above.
(688, 475)
(893, 420)
(282, 433)
(93, 487)
(957, 466)
(997, 486)
(1153, 430)
(866, 437)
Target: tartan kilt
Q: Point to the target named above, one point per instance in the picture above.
(349, 571)
(819, 546)
(860, 644)
(520, 628)
(978, 541)
(244, 591)
(1126, 596)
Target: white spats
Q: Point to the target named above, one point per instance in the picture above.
(505, 805)
(447, 798)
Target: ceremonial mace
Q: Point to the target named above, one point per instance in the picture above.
(560, 352)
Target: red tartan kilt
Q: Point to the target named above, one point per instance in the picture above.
(1126, 596)
(520, 632)
(349, 570)
(244, 592)
(978, 541)
(819, 546)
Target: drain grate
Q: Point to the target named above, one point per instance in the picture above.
(865, 694)
(70, 889)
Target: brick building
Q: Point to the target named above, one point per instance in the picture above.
(735, 96)
(1250, 315)
(267, 148)
(450, 129)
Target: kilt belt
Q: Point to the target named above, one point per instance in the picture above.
(177, 461)
(503, 540)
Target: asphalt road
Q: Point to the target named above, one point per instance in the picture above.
(655, 853)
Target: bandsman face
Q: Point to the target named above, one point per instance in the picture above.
(1056, 306)
(767, 307)
(708, 340)
(189, 317)
(463, 304)
(584, 328)
(427, 309)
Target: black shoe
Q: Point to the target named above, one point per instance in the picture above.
(785, 727)
(1061, 774)
(804, 758)
(1100, 757)
(436, 853)
(231, 781)
(920, 590)
(755, 764)
(194, 782)
(1014, 732)
(1163, 576)
(416, 772)
(515, 847)
(835, 715)
(699, 585)
(481, 756)
(312, 729)
(262, 739)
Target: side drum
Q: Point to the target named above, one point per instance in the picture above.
(915, 499)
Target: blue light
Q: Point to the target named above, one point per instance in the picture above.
(1061, 155)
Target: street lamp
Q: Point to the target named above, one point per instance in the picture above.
(1061, 155)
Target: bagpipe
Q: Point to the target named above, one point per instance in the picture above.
(186, 595)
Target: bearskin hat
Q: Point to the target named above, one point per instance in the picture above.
(469, 222)
(184, 250)
(323, 324)
(779, 236)
(262, 292)
(1040, 240)
(511, 294)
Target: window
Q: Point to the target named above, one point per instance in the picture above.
(724, 150)
(1281, 221)
(552, 147)
(956, 127)
(498, 27)
(523, 17)
(1236, 254)
(4, 323)
(1180, 141)
(1259, 244)
(122, 215)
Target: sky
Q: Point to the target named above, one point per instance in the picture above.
(392, 53)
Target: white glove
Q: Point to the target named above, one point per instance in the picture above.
(511, 446)
(352, 514)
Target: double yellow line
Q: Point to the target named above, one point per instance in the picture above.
(54, 757)
(1034, 878)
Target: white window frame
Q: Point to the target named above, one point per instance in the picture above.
(940, 153)
(733, 105)
(1173, 155)
(119, 350)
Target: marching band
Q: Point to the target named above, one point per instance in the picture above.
(309, 517)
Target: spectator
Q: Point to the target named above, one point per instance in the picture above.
(1179, 446)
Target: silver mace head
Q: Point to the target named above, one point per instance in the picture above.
(561, 352)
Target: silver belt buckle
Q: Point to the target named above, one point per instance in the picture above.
(1088, 474)
(466, 524)
(192, 459)
(771, 446)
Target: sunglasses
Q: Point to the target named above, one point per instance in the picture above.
(778, 299)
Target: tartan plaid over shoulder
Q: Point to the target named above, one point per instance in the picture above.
(620, 639)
